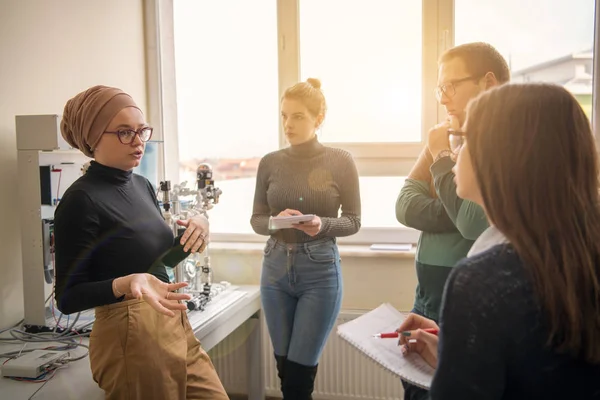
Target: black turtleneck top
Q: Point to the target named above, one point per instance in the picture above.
(108, 224)
(313, 179)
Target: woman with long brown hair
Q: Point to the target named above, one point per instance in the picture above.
(521, 316)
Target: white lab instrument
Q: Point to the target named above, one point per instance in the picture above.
(47, 166)
(33, 364)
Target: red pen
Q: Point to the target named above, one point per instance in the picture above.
(391, 335)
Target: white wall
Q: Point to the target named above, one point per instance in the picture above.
(368, 280)
(50, 51)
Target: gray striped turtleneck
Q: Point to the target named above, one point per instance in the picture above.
(313, 179)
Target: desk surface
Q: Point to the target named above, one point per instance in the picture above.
(75, 381)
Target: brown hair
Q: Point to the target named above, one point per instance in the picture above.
(308, 93)
(534, 157)
(480, 58)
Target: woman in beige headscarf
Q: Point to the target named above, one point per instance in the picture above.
(108, 232)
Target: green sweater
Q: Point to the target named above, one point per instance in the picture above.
(449, 226)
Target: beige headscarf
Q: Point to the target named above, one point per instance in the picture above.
(87, 116)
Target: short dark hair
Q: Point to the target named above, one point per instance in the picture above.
(480, 58)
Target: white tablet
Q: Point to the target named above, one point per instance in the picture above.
(287, 222)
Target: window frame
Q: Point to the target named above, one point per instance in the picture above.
(385, 158)
(160, 82)
(373, 159)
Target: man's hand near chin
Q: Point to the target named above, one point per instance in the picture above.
(437, 139)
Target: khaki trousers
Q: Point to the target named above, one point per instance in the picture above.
(137, 353)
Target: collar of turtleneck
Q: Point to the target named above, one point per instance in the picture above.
(307, 149)
(113, 175)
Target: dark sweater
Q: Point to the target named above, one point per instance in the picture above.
(107, 225)
(492, 338)
(312, 179)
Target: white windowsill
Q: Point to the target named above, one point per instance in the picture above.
(346, 250)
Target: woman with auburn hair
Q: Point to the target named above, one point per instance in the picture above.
(521, 315)
(301, 279)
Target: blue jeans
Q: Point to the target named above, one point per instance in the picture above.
(301, 292)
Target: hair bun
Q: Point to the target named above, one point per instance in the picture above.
(314, 82)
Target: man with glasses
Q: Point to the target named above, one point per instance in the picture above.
(428, 202)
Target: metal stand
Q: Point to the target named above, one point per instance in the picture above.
(206, 196)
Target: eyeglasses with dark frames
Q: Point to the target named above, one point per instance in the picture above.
(456, 139)
(127, 136)
(449, 88)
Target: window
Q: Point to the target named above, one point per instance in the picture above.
(377, 61)
(367, 54)
(370, 57)
(227, 98)
(233, 59)
(148, 168)
(555, 46)
(378, 196)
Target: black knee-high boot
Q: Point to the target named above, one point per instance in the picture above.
(299, 381)
(280, 360)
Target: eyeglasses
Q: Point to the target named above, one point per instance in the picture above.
(457, 140)
(449, 88)
(127, 136)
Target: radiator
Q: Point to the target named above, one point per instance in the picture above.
(344, 372)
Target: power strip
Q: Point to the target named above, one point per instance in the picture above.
(47, 328)
(32, 364)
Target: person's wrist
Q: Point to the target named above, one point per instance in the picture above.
(202, 221)
(121, 286)
(441, 154)
(428, 156)
(115, 288)
(321, 224)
